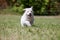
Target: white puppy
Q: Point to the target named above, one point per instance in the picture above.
(27, 18)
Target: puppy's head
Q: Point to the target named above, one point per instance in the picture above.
(28, 11)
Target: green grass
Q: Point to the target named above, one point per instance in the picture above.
(44, 28)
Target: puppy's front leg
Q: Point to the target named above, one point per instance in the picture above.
(27, 23)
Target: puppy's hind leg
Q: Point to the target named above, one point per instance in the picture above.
(22, 24)
(27, 23)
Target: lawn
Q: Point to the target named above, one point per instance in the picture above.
(44, 28)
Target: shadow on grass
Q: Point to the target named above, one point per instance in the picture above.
(35, 26)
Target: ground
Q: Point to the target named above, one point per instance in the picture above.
(44, 28)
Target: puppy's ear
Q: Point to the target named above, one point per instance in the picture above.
(24, 9)
(32, 7)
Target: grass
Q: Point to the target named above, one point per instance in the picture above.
(44, 28)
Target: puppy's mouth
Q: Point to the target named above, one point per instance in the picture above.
(30, 15)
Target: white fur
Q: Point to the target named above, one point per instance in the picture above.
(26, 20)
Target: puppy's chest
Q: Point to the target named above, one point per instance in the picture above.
(29, 18)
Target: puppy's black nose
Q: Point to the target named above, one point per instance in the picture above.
(29, 14)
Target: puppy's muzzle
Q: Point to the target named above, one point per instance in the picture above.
(29, 15)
